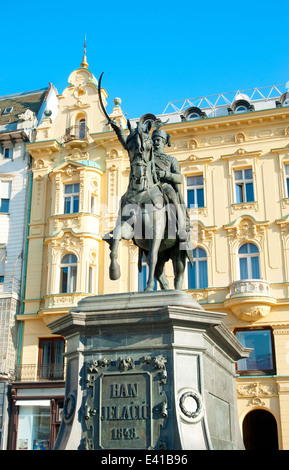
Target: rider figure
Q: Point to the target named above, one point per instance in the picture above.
(169, 174)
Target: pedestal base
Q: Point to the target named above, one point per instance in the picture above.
(148, 370)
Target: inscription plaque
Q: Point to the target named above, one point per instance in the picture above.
(125, 404)
(125, 411)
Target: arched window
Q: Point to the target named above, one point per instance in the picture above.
(68, 273)
(198, 274)
(249, 261)
(193, 116)
(80, 127)
(143, 277)
(241, 109)
(192, 113)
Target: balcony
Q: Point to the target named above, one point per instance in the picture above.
(250, 299)
(76, 136)
(39, 373)
(249, 287)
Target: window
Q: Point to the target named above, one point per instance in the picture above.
(51, 358)
(143, 277)
(192, 113)
(193, 116)
(81, 128)
(198, 274)
(93, 204)
(71, 198)
(90, 287)
(34, 426)
(5, 190)
(244, 190)
(195, 191)
(7, 152)
(287, 179)
(249, 261)
(261, 359)
(68, 273)
(8, 110)
(2, 267)
(241, 109)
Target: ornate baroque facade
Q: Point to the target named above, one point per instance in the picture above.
(234, 163)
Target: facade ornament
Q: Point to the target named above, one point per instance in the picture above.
(191, 405)
(255, 391)
(125, 364)
(28, 115)
(240, 138)
(69, 408)
(249, 312)
(159, 362)
(246, 228)
(192, 144)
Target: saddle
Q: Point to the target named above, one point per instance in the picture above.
(153, 195)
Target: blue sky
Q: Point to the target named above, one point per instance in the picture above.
(150, 53)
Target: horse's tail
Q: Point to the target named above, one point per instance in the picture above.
(190, 256)
(140, 255)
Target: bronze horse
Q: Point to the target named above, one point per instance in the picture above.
(143, 215)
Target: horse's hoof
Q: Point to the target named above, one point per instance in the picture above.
(149, 289)
(114, 272)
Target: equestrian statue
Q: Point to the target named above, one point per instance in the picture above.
(152, 211)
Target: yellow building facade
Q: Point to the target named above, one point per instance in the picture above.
(234, 160)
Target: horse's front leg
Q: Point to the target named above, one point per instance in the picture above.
(155, 242)
(114, 268)
(124, 230)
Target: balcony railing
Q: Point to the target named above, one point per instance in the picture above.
(76, 133)
(38, 372)
(247, 287)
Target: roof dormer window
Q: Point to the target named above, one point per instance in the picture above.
(193, 116)
(241, 109)
(241, 104)
(193, 113)
(284, 100)
(8, 110)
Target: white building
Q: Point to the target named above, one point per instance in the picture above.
(20, 114)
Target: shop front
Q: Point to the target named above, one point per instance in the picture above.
(36, 416)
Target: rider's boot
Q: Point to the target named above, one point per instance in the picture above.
(182, 234)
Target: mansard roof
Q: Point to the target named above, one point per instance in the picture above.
(19, 103)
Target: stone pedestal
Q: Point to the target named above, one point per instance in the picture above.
(148, 370)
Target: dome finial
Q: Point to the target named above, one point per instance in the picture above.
(84, 61)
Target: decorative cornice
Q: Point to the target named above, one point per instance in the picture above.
(241, 153)
(43, 147)
(281, 150)
(246, 216)
(196, 160)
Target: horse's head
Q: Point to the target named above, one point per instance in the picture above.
(139, 142)
(140, 147)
